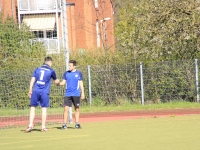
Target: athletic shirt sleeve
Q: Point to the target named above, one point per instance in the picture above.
(53, 75)
(34, 73)
(64, 76)
(81, 76)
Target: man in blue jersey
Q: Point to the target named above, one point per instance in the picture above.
(39, 91)
(73, 79)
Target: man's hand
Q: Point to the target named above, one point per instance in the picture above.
(57, 81)
(82, 96)
(29, 94)
(62, 83)
(58, 84)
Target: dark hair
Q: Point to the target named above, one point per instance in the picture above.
(73, 62)
(47, 59)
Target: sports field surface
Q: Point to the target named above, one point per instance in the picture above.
(177, 129)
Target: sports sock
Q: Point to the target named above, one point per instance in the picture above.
(77, 123)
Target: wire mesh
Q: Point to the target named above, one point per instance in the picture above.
(110, 84)
(169, 81)
(115, 84)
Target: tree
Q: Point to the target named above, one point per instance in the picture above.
(15, 42)
(160, 29)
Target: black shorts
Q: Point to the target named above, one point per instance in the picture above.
(68, 100)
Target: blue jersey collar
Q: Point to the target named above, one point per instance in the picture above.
(46, 65)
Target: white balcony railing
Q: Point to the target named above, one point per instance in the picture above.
(38, 5)
(51, 45)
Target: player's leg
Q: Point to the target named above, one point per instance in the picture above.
(70, 118)
(31, 119)
(44, 103)
(33, 104)
(32, 116)
(67, 104)
(65, 115)
(44, 118)
(77, 114)
(76, 102)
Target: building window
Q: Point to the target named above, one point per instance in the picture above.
(51, 34)
(38, 34)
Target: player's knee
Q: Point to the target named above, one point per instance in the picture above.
(66, 108)
(76, 109)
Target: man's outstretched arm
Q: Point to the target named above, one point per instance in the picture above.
(62, 82)
(31, 86)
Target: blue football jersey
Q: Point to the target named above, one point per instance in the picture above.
(72, 83)
(43, 77)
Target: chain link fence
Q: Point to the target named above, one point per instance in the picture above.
(112, 84)
(156, 82)
(107, 84)
(169, 81)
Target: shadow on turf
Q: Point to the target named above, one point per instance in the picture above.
(59, 128)
(38, 130)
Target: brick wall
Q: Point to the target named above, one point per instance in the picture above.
(82, 24)
(81, 20)
(9, 8)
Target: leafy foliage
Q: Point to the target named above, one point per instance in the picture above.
(160, 29)
(147, 30)
(15, 44)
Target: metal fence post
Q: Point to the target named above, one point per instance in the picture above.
(142, 84)
(89, 86)
(197, 79)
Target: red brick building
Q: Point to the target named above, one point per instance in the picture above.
(8, 7)
(89, 24)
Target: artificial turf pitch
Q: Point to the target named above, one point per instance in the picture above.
(164, 133)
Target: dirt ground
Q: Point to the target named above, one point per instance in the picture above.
(104, 116)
